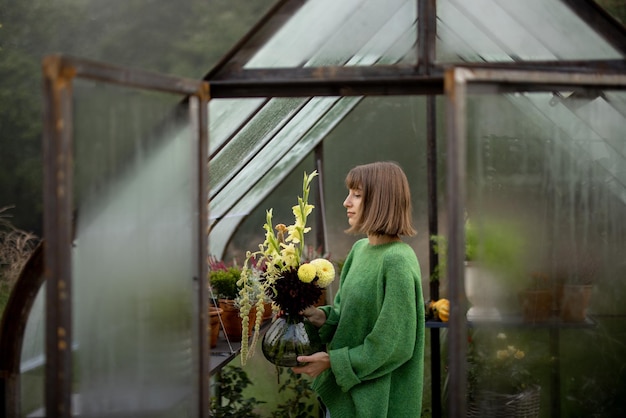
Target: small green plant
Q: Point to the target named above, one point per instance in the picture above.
(223, 279)
(231, 403)
(440, 247)
(496, 245)
(299, 405)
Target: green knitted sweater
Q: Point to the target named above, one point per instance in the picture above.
(375, 335)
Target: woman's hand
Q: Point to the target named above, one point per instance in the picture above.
(316, 364)
(316, 316)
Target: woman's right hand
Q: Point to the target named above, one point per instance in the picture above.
(315, 364)
(316, 316)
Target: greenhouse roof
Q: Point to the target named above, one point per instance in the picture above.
(306, 64)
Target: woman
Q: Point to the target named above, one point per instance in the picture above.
(374, 365)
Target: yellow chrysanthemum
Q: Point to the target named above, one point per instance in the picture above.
(306, 273)
(325, 271)
(519, 354)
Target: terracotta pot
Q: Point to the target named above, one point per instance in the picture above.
(232, 321)
(267, 311)
(536, 305)
(214, 321)
(574, 302)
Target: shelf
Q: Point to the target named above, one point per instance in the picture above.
(222, 354)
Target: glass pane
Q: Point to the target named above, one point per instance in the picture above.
(501, 30)
(183, 38)
(361, 131)
(33, 357)
(546, 204)
(135, 253)
(292, 139)
(226, 116)
(249, 136)
(351, 32)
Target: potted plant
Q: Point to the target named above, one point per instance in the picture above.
(223, 284)
(574, 288)
(495, 270)
(536, 300)
(215, 314)
(502, 378)
(493, 265)
(440, 247)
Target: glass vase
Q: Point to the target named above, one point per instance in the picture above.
(288, 337)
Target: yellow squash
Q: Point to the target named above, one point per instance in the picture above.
(442, 309)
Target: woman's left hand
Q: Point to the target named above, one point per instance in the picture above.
(316, 364)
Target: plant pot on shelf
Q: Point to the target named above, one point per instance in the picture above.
(574, 302)
(231, 320)
(267, 311)
(214, 322)
(483, 290)
(536, 305)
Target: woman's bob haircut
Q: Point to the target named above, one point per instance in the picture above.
(386, 199)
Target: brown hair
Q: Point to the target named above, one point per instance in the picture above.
(386, 199)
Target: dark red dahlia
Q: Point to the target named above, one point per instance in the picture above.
(293, 295)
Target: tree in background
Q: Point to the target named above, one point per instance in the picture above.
(182, 38)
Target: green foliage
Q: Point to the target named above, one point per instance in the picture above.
(180, 38)
(499, 363)
(234, 381)
(496, 245)
(231, 403)
(224, 282)
(499, 245)
(299, 405)
(593, 374)
(440, 246)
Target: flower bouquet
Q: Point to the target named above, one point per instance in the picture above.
(291, 282)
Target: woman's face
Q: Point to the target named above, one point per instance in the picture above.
(353, 205)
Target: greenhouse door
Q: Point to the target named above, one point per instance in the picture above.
(125, 156)
(536, 173)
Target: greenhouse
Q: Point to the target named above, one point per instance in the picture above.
(168, 131)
